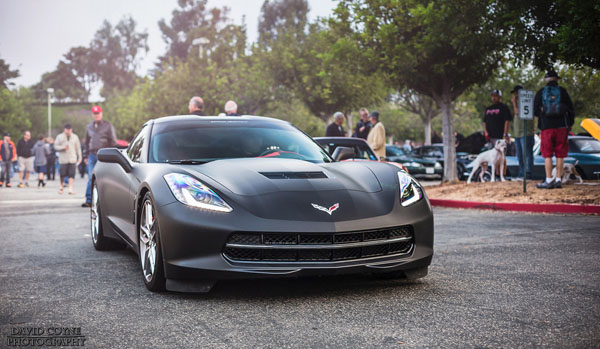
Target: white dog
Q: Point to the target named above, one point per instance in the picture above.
(494, 158)
(568, 170)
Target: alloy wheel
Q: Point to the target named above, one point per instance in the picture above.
(148, 243)
(95, 226)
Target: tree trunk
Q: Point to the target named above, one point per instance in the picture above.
(427, 127)
(449, 140)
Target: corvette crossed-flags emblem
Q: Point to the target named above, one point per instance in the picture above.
(325, 209)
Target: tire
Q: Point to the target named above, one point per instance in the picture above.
(149, 247)
(487, 176)
(460, 170)
(100, 242)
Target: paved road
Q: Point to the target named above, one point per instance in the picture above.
(497, 280)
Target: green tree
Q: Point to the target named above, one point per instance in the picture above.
(438, 49)
(13, 118)
(551, 31)
(324, 67)
(583, 86)
(80, 60)
(67, 87)
(193, 20)
(6, 73)
(422, 106)
(282, 17)
(116, 52)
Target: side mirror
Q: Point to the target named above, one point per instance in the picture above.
(114, 155)
(343, 153)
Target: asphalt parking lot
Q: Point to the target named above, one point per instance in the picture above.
(498, 279)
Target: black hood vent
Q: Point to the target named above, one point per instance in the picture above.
(294, 175)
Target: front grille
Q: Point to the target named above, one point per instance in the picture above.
(318, 247)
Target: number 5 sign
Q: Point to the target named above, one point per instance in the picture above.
(525, 104)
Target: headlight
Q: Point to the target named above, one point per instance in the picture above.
(413, 164)
(410, 190)
(192, 192)
(437, 165)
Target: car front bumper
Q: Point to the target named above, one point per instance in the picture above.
(193, 244)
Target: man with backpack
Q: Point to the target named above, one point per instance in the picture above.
(554, 108)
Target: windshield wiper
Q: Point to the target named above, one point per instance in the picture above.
(186, 162)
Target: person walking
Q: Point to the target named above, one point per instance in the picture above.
(69, 156)
(98, 134)
(25, 158)
(335, 129)
(497, 118)
(8, 155)
(363, 126)
(40, 152)
(51, 166)
(376, 138)
(554, 108)
(196, 106)
(523, 138)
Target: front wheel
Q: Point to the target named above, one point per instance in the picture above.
(99, 241)
(149, 247)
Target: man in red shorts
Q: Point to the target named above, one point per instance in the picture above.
(554, 108)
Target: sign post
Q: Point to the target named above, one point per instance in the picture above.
(525, 113)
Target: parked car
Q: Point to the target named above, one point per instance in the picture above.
(415, 166)
(362, 150)
(435, 152)
(583, 150)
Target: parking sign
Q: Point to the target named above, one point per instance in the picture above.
(525, 104)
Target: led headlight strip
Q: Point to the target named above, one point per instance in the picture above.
(410, 190)
(192, 192)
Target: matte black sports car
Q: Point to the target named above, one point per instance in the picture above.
(202, 199)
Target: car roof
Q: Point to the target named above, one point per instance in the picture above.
(213, 118)
(340, 140)
(582, 137)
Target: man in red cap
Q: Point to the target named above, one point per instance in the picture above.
(98, 134)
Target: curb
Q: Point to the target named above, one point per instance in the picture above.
(505, 206)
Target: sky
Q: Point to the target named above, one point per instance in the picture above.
(35, 34)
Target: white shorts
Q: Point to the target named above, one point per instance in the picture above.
(26, 164)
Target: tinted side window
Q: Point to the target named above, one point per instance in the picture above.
(136, 146)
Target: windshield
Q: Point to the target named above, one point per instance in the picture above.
(395, 151)
(588, 145)
(207, 141)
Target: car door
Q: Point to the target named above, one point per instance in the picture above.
(122, 195)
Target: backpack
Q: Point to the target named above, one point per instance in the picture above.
(551, 105)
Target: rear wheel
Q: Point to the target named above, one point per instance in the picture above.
(460, 171)
(149, 247)
(487, 175)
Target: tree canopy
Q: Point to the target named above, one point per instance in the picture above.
(438, 49)
(552, 31)
(6, 73)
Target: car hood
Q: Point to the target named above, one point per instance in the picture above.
(251, 177)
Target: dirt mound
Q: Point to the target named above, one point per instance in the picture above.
(512, 192)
